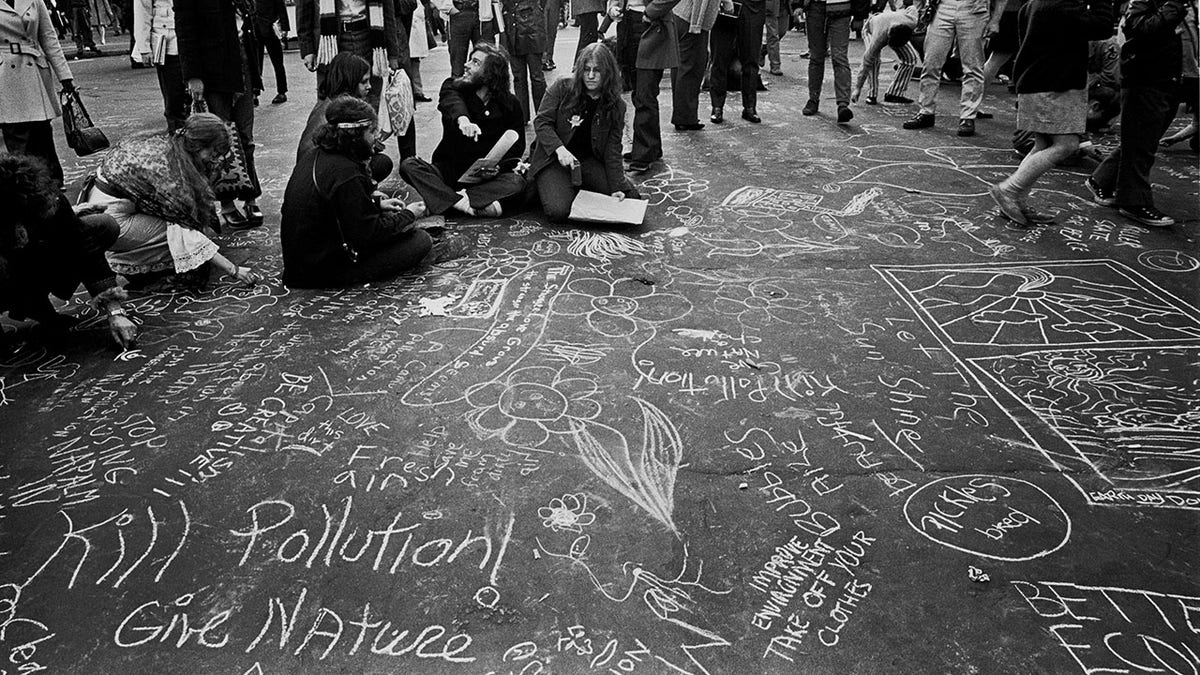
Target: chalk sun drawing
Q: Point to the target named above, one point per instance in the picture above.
(529, 404)
(568, 513)
(1123, 411)
(647, 480)
(1054, 303)
(616, 308)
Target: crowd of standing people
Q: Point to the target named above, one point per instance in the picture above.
(155, 200)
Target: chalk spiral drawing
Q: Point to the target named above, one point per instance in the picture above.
(648, 480)
(1166, 260)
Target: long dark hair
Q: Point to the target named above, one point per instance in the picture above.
(342, 76)
(495, 74)
(610, 78)
(29, 195)
(347, 120)
(201, 131)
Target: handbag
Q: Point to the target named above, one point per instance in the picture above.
(82, 136)
(233, 179)
(396, 104)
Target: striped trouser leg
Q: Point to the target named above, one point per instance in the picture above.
(873, 79)
(908, 65)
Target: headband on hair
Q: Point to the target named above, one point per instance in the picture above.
(354, 125)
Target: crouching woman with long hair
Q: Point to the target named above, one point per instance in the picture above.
(578, 128)
(335, 231)
(157, 188)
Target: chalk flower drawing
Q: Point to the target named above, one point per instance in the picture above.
(568, 513)
(648, 479)
(616, 308)
(529, 405)
(761, 304)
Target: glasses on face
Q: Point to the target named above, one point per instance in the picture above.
(591, 70)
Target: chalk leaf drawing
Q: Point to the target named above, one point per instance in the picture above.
(615, 308)
(529, 404)
(647, 480)
(761, 304)
(568, 513)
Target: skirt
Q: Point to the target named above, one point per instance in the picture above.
(1053, 112)
(150, 244)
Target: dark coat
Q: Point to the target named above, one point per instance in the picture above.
(267, 12)
(308, 29)
(455, 153)
(659, 46)
(210, 47)
(524, 26)
(1054, 36)
(552, 127)
(313, 212)
(1152, 53)
(55, 260)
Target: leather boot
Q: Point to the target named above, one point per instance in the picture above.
(718, 114)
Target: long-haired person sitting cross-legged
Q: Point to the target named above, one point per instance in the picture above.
(478, 111)
(157, 188)
(47, 248)
(578, 143)
(335, 231)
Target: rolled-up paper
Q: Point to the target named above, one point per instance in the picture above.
(490, 160)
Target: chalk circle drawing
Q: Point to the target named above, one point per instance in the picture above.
(618, 308)
(647, 479)
(568, 513)
(1166, 260)
(604, 245)
(529, 405)
(994, 517)
(487, 597)
(1053, 303)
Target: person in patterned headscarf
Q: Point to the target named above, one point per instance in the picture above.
(156, 186)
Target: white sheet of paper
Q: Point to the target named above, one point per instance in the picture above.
(593, 207)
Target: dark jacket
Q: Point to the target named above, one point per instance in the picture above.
(1153, 53)
(455, 153)
(1054, 36)
(524, 26)
(56, 260)
(308, 29)
(659, 46)
(267, 12)
(553, 129)
(313, 212)
(210, 47)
